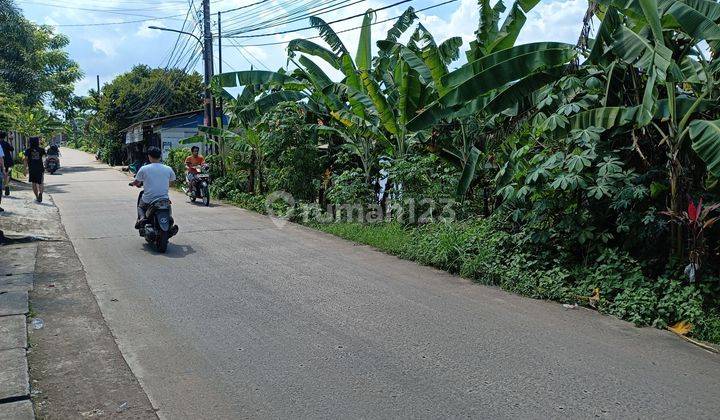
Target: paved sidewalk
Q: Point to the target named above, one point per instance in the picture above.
(17, 267)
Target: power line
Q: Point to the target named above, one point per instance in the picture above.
(266, 44)
(244, 7)
(312, 27)
(116, 12)
(290, 19)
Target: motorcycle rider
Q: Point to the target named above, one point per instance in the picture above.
(53, 150)
(191, 163)
(155, 178)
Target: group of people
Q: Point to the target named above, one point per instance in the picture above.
(34, 164)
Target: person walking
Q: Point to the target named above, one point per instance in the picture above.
(2, 171)
(7, 150)
(35, 167)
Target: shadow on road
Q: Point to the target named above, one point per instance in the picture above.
(78, 169)
(55, 188)
(173, 250)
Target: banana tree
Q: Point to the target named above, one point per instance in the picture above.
(497, 77)
(659, 82)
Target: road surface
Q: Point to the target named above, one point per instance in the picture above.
(241, 319)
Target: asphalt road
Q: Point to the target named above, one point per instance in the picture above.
(241, 319)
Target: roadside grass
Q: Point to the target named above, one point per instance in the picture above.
(392, 238)
(481, 251)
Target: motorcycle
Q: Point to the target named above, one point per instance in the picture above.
(52, 163)
(158, 226)
(201, 186)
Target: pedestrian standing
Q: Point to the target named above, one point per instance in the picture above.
(2, 171)
(7, 150)
(34, 166)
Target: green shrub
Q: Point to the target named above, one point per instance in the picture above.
(708, 328)
(176, 160)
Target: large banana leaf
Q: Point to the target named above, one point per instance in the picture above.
(693, 22)
(217, 132)
(328, 35)
(363, 58)
(198, 138)
(450, 49)
(512, 69)
(606, 117)
(311, 48)
(510, 29)
(708, 8)
(401, 25)
(267, 102)
(360, 126)
(468, 173)
(469, 70)
(315, 73)
(650, 10)
(636, 49)
(387, 117)
(611, 21)
(253, 77)
(705, 137)
(524, 87)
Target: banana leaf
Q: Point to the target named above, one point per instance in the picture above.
(311, 48)
(469, 70)
(468, 173)
(363, 58)
(705, 137)
(514, 68)
(253, 77)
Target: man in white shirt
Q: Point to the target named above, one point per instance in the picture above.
(155, 178)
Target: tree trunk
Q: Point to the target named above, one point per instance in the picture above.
(676, 231)
(251, 174)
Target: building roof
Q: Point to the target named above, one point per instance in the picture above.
(160, 120)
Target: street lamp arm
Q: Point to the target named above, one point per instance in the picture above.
(177, 31)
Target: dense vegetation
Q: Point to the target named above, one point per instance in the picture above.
(139, 94)
(581, 173)
(34, 71)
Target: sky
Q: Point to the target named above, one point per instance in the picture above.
(107, 49)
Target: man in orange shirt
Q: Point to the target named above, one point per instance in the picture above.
(192, 163)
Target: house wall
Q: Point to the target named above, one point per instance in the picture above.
(170, 137)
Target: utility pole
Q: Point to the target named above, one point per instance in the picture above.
(220, 99)
(208, 61)
(97, 104)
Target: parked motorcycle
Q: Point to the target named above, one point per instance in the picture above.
(201, 187)
(52, 163)
(159, 225)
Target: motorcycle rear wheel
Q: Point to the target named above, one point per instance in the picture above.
(162, 241)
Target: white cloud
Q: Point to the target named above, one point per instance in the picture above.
(554, 21)
(107, 46)
(146, 32)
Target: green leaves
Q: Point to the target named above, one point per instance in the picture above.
(363, 58)
(253, 77)
(387, 117)
(311, 48)
(329, 36)
(705, 137)
(514, 68)
(468, 172)
(693, 22)
(401, 25)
